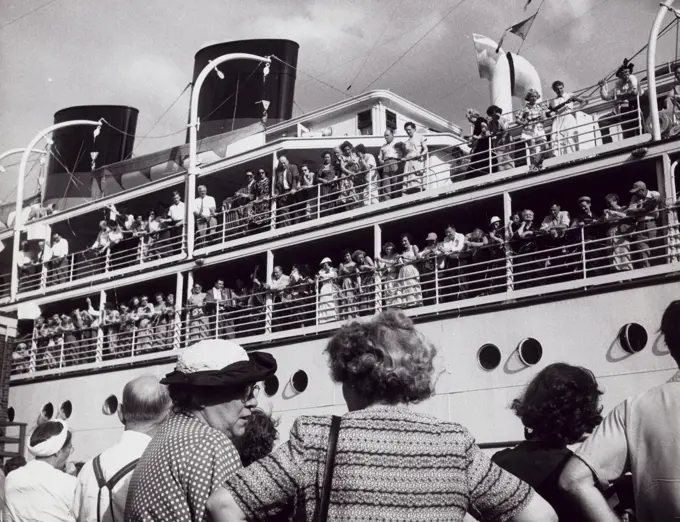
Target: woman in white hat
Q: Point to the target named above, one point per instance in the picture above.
(213, 390)
(328, 292)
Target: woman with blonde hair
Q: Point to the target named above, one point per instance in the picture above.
(391, 463)
(531, 117)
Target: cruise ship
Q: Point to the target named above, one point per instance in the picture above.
(499, 309)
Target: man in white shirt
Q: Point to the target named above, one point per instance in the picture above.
(204, 210)
(221, 305)
(175, 222)
(557, 222)
(59, 262)
(280, 298)
(388, 159)
(451, 276)
(40, 491)
(145, 406)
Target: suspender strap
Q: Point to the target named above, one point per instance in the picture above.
(109, 485)
(324, 501)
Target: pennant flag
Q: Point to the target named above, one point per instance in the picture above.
(527, 4)
(521, 29)
(486, 59)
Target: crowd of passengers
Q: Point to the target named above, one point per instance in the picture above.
(347, 178)
(459, 266)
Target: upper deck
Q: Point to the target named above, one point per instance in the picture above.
(269, 229)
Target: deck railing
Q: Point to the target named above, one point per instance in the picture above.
(577, 257)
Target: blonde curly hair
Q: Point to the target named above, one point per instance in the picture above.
(385, 359)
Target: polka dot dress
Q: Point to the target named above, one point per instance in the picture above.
(182, 465)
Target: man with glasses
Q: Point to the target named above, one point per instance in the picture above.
(213, 392)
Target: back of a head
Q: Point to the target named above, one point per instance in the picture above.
(14, 463)
(560, 404)
(46, 431)
(385, 359)
(145, 401)
(259, 437)
(670, 328)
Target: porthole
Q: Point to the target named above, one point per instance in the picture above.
(271, 385)
(299, 381)
(530, 351)
(110, 405)
(633, 337)
(489, 357)
(10, 414)
(47, 411)
(65, 410)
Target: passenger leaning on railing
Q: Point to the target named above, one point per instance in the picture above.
(327, 176)
(644, 208)
(415, 152)
(564, 133)
(501, 140)
(368, 165)
(286, 186)
(618, 231)
(452, 278)
(428, 268)
(204, 209)
(388, 160)
(58, 265)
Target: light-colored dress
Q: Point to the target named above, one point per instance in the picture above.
(198, 322)
(618, 241)
(413, 165)
(564, 132)
(348, 289)
(328, 296)
(409, 279)
(389, 268)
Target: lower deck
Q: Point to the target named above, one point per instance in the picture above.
(484, 361)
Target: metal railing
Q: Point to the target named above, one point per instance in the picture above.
(579, 255)
(130, 252)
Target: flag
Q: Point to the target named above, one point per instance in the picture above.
(521, 29)
(486, 59)
(527, 4)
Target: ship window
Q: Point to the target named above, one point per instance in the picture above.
(530, 351)
(110, 405)
(10, 414)
(633, 337)
(391, 120)
(65, 410)
(365, 123)
(299, 381)
(47, 411)
(271, 385)
(489, 356)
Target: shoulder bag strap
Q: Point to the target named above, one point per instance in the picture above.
(328, 472)
(101, 482)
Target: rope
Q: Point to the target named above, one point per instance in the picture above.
(27, 14)
(377, 41)
(344, 93)
(395, 62)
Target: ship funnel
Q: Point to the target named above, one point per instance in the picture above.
(232, 98)
(75, 150)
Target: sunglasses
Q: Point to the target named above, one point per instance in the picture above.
(251, 392)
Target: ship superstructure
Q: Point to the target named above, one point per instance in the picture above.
(498, 312)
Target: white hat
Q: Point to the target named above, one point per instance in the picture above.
(210, 354)
(51, 446)
(326, 260)
(495, 219)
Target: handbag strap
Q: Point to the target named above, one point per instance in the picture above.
(324, 502)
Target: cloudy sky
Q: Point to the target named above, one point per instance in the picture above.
(58, 53)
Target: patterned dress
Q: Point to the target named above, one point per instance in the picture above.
(180, 467)
(391, 464)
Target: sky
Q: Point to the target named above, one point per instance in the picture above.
(59, 53)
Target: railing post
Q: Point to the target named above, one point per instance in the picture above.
(99, 351)
(73, 262)
(436, 280)
(427, 171)
(316, 306)
(107, 260)
(507, 212)
(638, 113)
(217, 320)
(140, 250)
(318, 201)
(268, 303)
(583, 251)
(43, 276)
(224, 225)
(33, 354)
(177, 314)
(133, 341)
(61, 352)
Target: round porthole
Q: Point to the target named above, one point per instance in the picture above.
(65, 410)
(47, 411)
(110, 405)
(633, 337)
(530, 351)
(271, 385)
(489, 357)
(299, 381)
(10, 414)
